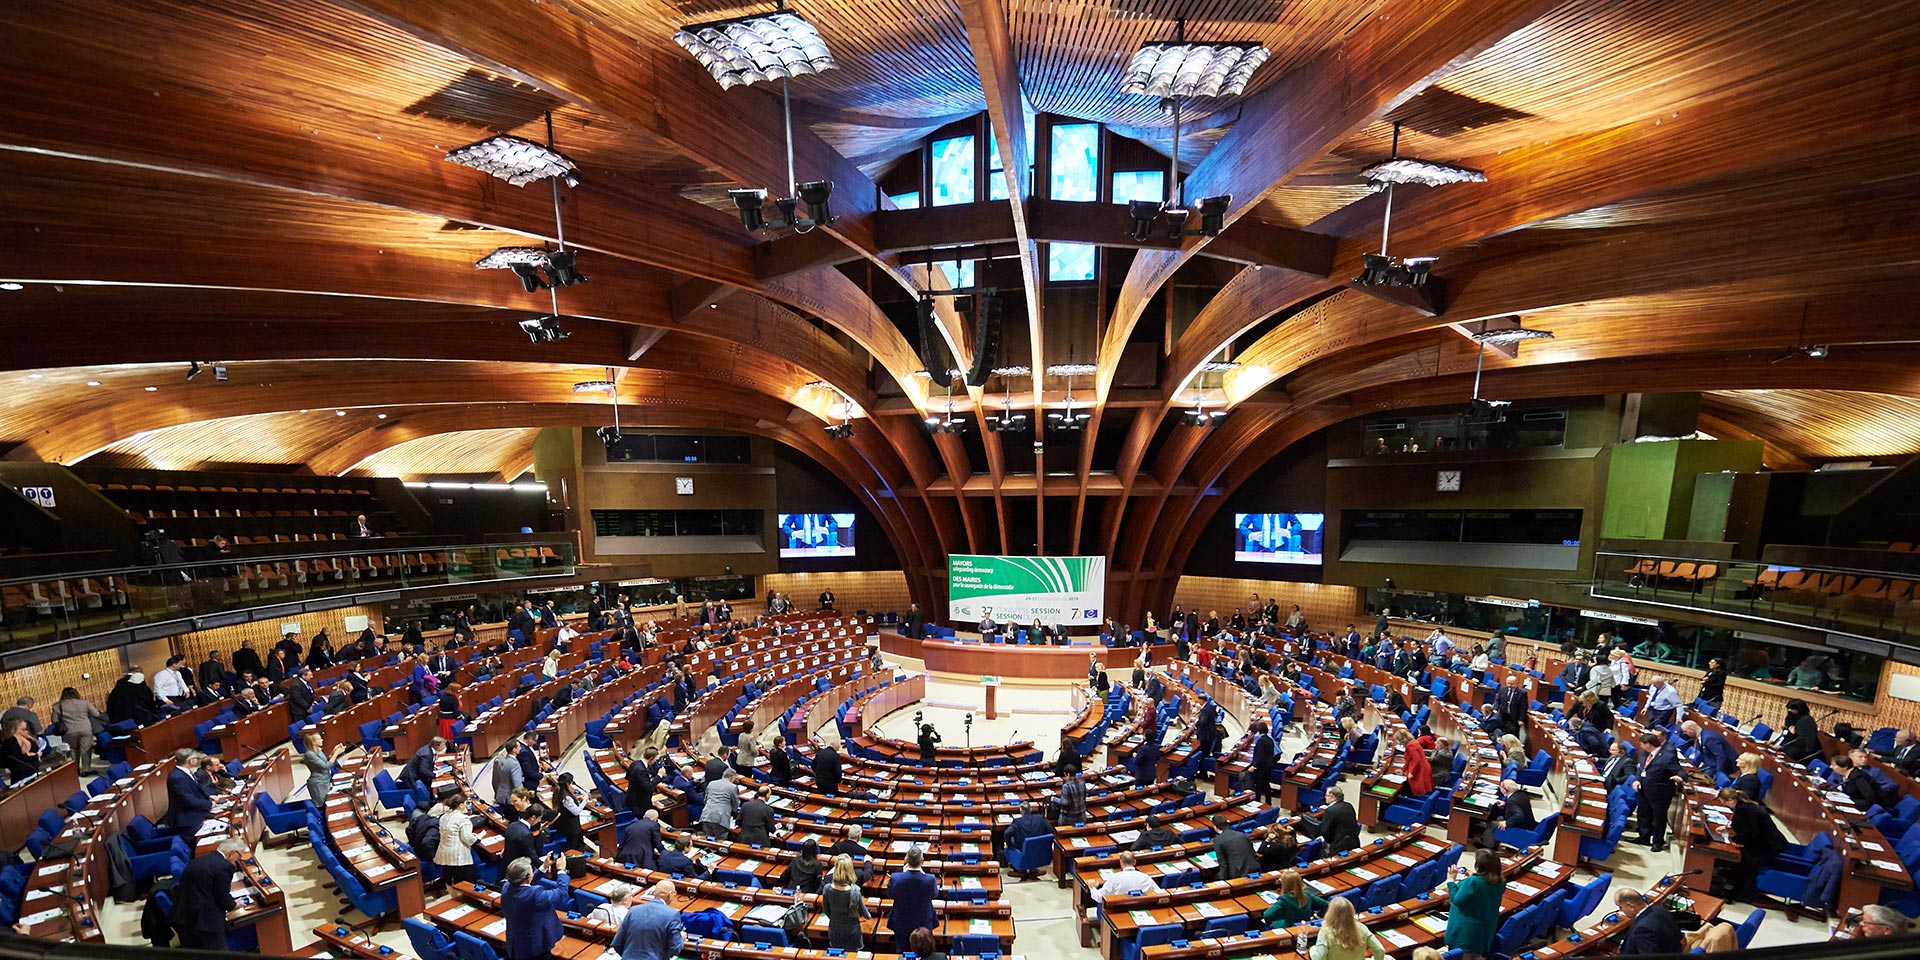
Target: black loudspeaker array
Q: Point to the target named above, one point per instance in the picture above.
(933, 352)
(986, 338)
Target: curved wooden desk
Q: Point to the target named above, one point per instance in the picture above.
(1015, 661)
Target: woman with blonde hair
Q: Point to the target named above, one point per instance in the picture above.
(844, 907)
(1748, 779)
(1295, 904)
(1342, 937)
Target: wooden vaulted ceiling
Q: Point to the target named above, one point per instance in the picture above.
(1681, 190)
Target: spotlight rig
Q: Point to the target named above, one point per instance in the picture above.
(1174, 71)
(527, 263)
(1379, 269)
(520, 162)
(543, 329)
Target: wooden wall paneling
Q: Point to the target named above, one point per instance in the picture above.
(875, 591)
(91, 674)
(1327, 607)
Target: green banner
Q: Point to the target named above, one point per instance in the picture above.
(1058, 591)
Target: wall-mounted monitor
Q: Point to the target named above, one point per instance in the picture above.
(816, 535)
(1277, 537)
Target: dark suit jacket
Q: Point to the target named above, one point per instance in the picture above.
(675, 861)
(419, 768)
(756, 821)
(521, 843)
(1860, 786)
(299, 699)
(1517, 811)
(1804, 740)
(1906, 758)
(640, 843)
(1664, 765)
(1652, 932)
(532, 925)
(1511, 704)
(1615, 771)
(1235, 850)
(204, 895)
(1263, 752)
(640, 785)
(1340, 827)
(912, 892)
(826, 771)
(187, 804)
(1592, 741)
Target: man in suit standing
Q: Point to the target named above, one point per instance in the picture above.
(652, 928)
(988, 626)
(524, 620)
(640, 841)
(203, 897)
(188, 802)
(723, 800)
(1234, 850)
(528, 904)
(914, 624)
(524, 836)
(1146, 760)
(913, 892)
(1710, 751)
(826, 769)
(1659, 777)
(506, 775)
(641, 781)
(856, 850)
(757, 820)
(441, 665)
(1511, 705)
(1574, 675)
(1653, 930)
(300, 694)
(1339, 823)
(1262, 772)
(1208, 725)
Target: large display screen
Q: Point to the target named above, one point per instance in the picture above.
(1277, 537)
(1056, 591)
(816, 535)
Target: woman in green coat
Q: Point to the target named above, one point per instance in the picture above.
(1296, 903)
(1473, 910)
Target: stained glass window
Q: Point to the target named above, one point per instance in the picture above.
(1139, 185)
(952, 171)
(906, 201)
(1067, 262)
(1076, 165)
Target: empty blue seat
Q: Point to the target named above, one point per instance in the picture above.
(752, 933)
(427, 941)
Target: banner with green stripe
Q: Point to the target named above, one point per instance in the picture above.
(1054, 590)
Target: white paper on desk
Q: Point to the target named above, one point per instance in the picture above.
(43, 916)
(1207, 909)
(1396, 938)
(211, 827)
(496, 928)
(1523, 889)
(457, 912)
(50, 871)
(767, 913)
(1078, 842)
(1126, 836)
(1876, 848)
(970, 883)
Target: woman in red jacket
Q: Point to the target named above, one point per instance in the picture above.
(1418, 771)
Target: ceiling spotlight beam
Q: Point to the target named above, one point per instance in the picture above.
(1404, 47)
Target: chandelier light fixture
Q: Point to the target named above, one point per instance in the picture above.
(1507, 335)
(767, 46)
(1070, 419)
(1380, 269)
(1009, 420)
(1174, 71)
(756, 47)
(520, 162)
(949, 423)
(593, 386)
(1200, 416)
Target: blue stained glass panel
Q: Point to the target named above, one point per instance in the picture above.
(1139, 185)
(906, 201)
(952, 171)
(1075, 159)
(1068, 262)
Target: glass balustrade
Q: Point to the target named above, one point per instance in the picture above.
(1867, 603)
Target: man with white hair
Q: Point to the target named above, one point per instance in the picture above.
(1880, 920)
(620, 898)
(1514, 812)
(203, 897)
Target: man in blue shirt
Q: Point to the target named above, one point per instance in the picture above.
(1663, 703)
(652, 929)
(528, 904)
(912, 891)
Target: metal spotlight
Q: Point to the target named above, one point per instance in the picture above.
(750, 202)
(1141, 214)
(1213, 214)
(530, 277)
(814, 194)
(607, 435)
(561, 269)
(193, 369)
(543, 329)
(840, 431)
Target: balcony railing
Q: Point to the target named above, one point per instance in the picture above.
(156, 600)
(1873, 604)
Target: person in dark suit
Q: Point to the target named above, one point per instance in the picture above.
(1146, 759)
(1905, 755)
(914, 624)
(1262, 773)
(640, 841)
(1653, 930)
(673, 859)
(525, 837)
(1234, 850)
(779, 765)
(1440, 760)
(359, 528)
(1592, 741)
(188, 802)
(756, 820)
(300, 694)
(528, 903)
(1339, 824)
(525, 620)
(203, 897)
(642, 780)
(442, 665)
(855, 849)
(1751, 828)
(1617, 768)
(1026, 826)
(1511, 705)
(247, 660)
(1856, 782)
(132, 699)
(826, 769)
(912, 891)
(1657, 781)
(419, 768)
(1514, 812)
